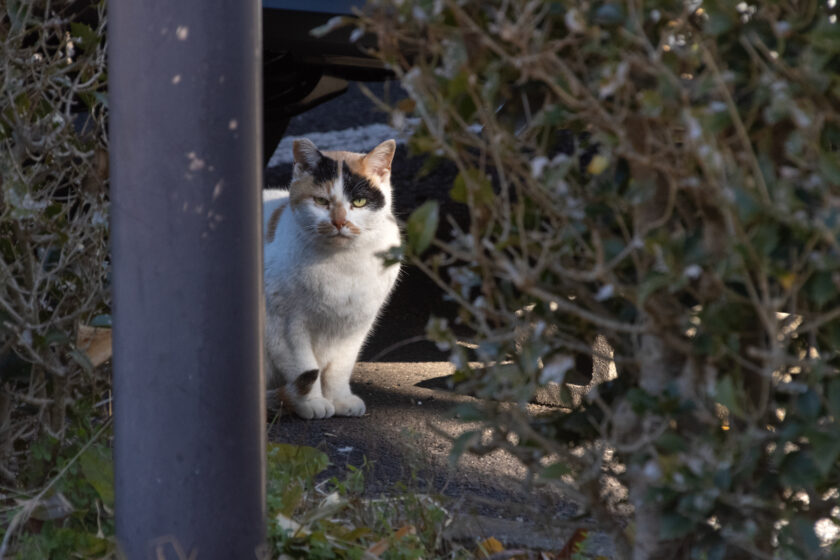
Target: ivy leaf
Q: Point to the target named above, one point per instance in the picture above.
(723, 479)
(834, 397)
(766, 238)
(825, 36)
(81, 358)
(808, 405)
(55, 336)
(422, 226)
(800, 535)
(462, 444)
(654, 282)
(799, 470)
(820, 288)
(468, 412)
(721, 19)
(674, 526)
(15, 10)
(472, 181)
(641, 401)
(671, 442)
(830, 168)
(555, 471)
(609, 14)
(746, 205)
(825, 449)
(86, 37)
(103, 321)
(726, 395)
(98, 469)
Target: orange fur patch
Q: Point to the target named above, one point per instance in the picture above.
(300, 190)
(356, 163)
(273, 221)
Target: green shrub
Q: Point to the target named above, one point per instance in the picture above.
(666, 175)
(53, 225)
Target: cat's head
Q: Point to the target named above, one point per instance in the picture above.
(338, 197)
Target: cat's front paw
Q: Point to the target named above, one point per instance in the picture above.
(349, 405)
(314, 407)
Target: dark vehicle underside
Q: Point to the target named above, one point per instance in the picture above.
(301, 71)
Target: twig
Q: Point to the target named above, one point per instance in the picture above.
(737, 122)
(405, 342)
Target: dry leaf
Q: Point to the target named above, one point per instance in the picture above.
(95, 342)
(379, 548)
(488, 547)
(56, 506)
(289, 525)
(406, 105)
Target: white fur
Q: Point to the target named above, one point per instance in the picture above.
(323, 293)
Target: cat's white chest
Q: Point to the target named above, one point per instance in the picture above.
(325, 280)
(349, 288)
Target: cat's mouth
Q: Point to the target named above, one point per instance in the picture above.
(340, 236)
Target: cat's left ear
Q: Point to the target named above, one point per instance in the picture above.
(306, 154)
(378, 160)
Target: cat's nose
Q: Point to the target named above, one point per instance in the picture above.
(338, 217)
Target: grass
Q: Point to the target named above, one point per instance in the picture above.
(72, 516)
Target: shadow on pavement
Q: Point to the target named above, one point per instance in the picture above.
(405, 438)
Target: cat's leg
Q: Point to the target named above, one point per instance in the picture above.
(292, 359)
(335, 382)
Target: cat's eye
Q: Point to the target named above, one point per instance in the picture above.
(359, 202)
(321, 201)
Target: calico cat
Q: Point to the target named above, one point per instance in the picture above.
(324, 283)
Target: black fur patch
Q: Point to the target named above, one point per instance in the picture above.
(356, 186)
(326, 171)
(305, 381)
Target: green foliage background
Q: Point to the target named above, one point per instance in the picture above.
(665, 175)
(53, 217)
(53, 277)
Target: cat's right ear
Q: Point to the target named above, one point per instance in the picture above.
(306, 155)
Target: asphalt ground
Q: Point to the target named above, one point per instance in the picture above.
(405, 436)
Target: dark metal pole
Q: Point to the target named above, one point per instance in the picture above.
(185, 117)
